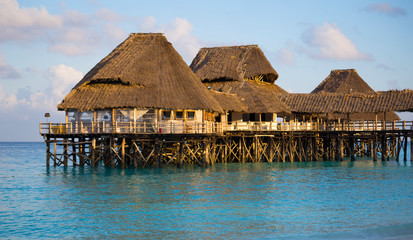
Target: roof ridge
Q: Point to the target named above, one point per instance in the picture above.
(235, 46)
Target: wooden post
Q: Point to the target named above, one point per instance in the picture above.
(54, 154)
(405, 148)
(82, 152)
(123, 152)
(65, 153)
(93, 147)
(351, 147)
(325, 150)
(383, 147)
(375, 143)
(181, 148)
(205, 154)
(47, 151)
(158, 153)
(341, 149)
(411, 149)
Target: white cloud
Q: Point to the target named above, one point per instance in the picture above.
(72, 33)
(328, 42)
(8, 101)
(18, 23)
(7, 71)
(285, 56)
(386, 9)
(61, 80)
(178, 32)
(148, 24)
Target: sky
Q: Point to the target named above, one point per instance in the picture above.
(47, 46)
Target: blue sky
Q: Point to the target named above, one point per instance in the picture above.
(47, 46)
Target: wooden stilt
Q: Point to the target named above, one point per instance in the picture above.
(65, 156)
(398, 147)
(351, 148)
(375, 143)
(47, 152)
(405, 148)
(123, 160)
(383, 147)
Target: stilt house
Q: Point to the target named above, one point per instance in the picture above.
(242, 76)
(348, 81)
(143, 85)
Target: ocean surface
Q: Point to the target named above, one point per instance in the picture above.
(314, 200)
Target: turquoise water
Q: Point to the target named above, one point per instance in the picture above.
(315, 200)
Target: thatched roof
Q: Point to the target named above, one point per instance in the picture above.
(144, 71)
(349, 103)
(243, 71)
(256, 96)
(348, 81)
(234, 63)
(343, 81)
(229, 102)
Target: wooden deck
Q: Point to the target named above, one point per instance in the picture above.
(128, 144)
(215, 127)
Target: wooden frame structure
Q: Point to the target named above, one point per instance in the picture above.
(203, 149)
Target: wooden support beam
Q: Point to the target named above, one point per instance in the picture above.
(351, 147)
(47, 152)
(65, 154)
(383, 147)
(375, 143)
(123, 152)
(405, 148)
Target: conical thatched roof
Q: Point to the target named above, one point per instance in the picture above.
(348, 81)
(233, 63)
(243, 71)
(343, 81)
(144, 71)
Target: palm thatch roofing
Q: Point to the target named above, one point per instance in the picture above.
(255, 96)
(229, 102)
(243, 71)
(234, 63)
(343, 81)
(323, 103)
(144, 71)
(349, 81)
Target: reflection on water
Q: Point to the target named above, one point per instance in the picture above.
(226, 201)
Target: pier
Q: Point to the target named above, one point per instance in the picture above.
(138, 146)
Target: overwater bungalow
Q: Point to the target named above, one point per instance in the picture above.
(347, 81)
(329, 104)
(142, 105)
(143, 85)
(245, 73)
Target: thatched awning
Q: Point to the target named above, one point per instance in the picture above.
(144, 71)
(256, 96)
(229, 102)
(234, 63)
(349, 103)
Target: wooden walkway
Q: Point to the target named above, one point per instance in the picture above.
(203, 149)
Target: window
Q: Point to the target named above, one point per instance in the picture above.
(190, 115)
(166, 115)
(179, 115)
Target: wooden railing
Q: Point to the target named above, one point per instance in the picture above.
(215, 127)
(325, 126)
(129, 127)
